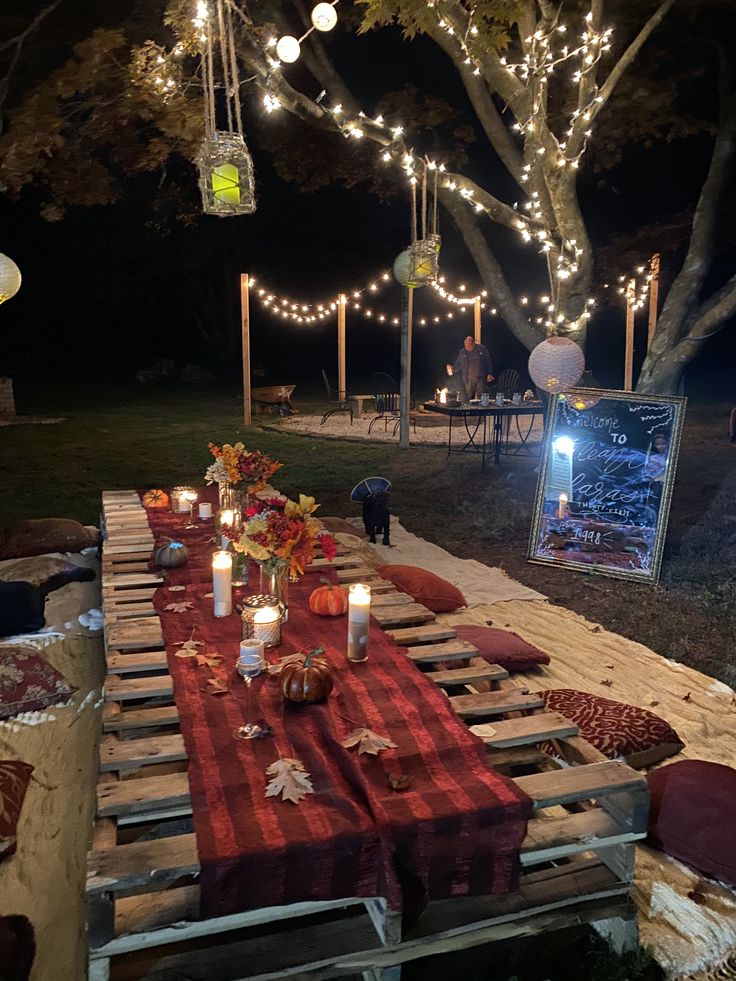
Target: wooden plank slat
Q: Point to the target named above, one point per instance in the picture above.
(452, 650)
(131, 580)
(135, 634)
(360, 573)
(128, 689)
(127, 754)
(550, 839)
(147, 864)
(143, 795)
(147, 718)
(521, 732)
(580, 783)
(347, 561)
(137, 663)
(495, 702)
(426, 634)
(394, 598)
(465, 676)
(402, 616)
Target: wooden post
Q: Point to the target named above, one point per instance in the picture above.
(653, 297)
(476, 319)
(629, 352)
(341, 379)
(405, 396)
(245, 334)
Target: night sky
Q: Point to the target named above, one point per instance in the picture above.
(103, 275)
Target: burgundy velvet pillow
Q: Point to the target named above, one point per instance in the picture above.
(17, 948)
(14, 778)
(692, 815)
(437, 594)
(614, 728)
(502, 647)
(28, 683)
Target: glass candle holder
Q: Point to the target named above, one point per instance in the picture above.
(181, 499)
(359, 611)
(262, 619)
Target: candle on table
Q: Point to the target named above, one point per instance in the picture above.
(562, 509)
(267, 625)
(222, 572)
(227, 517)
(205, 510)
(359, 609)
(250, 648)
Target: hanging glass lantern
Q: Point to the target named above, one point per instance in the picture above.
(10, 278)
(226, 175)
(424, 261)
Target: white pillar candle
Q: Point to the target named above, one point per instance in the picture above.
(359, 610)
(227, 517)
(205, 510)
(562, 508)
(222, 575)
(266, 625)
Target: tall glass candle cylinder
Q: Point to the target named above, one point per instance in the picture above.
(227, 517)
(359, 611)
(222, 572)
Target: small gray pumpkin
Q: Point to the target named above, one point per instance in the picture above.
(172, 555)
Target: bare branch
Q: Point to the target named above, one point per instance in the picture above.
(18, 41)
(712, 314)
(318, 62)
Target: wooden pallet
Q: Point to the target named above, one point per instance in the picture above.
(143, 897)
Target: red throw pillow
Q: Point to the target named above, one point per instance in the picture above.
(437, 594)
(616, 729)
(28, 683)
(14, 777)
(502, 647)
(692, 815)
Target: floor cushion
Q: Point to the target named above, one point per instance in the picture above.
(617, 730)
(42, 535)
(437, 594)
(17, 948)
(339, 526)
(502, 647)
(28, 683)
(14, 779)
(45, 572)
(21, 608)
(692, 815)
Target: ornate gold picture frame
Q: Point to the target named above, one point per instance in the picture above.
(605, 483)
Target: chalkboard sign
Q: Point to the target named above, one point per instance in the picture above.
(606, 481)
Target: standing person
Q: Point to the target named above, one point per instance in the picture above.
(474, 367)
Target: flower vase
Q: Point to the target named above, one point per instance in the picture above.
(275, 582)
(240, 569)
(226, 492)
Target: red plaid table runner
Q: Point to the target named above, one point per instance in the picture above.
(456, 830)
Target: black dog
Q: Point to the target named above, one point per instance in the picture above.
(376, 517)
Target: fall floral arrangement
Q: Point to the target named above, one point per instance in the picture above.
(238, 466)
(280, 533)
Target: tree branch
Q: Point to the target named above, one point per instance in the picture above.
(18, 41)
(712, 314)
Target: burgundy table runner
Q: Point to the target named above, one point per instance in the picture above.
(456, 830)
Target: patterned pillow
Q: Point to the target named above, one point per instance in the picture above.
(692, 815)
(615, 729)
(28, 683)
(14, 778)
(502, 647)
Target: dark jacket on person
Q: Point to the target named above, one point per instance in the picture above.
(466, 361)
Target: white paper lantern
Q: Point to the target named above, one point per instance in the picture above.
(288, 49)
(324, 17)
(556, 364)
(402, 263)
(10, 278)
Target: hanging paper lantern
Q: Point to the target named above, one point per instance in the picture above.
(288, 49)
(401, 268)
(226, 175)
(10, 278)
(556, 364)
(324, 17)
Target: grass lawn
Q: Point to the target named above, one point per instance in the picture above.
(125, 437)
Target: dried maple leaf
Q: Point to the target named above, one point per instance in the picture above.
(290, 659)
(607, 682)
(216, 687)
(290, 779)
(686, 698)
(184, 607)
(367, 741)
(209, 660)
(189, 645)
(399, 782)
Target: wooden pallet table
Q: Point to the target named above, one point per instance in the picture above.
(143, 898)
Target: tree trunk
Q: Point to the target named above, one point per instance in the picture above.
(662, 375)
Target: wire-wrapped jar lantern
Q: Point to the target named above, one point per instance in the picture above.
(226, 175)
(181, 499)
(262, 619)
(424, 260)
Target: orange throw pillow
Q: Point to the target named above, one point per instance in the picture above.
(437, 594)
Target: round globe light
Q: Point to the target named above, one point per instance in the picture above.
(288, 49)
(402, 265)
(556, 364)
(324, 17)
(10, 278)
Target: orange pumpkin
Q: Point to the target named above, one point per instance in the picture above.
(307, 682)
(329, 600)
(155, 499)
